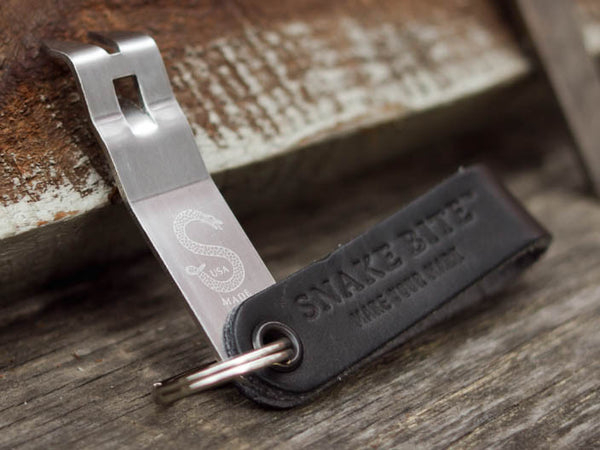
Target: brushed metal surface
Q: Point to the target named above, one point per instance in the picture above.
(162, 177)
(151, 150)
(214, 247)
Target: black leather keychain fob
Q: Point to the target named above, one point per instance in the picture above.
(465, 239)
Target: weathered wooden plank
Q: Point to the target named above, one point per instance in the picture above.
(519, 370)
(234, 68)
(555, 34)
(258, 81)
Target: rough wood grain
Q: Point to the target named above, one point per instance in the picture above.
(518, 371)
(280, 94)
(255, 79)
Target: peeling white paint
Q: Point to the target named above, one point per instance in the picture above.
(266, 92)
(379, 74)
(55, 203)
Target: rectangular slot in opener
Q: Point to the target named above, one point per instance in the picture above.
(162, 177)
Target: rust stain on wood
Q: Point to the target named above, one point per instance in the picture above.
(62, 214)
(255, 79)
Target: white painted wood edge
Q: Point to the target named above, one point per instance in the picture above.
(330, 98)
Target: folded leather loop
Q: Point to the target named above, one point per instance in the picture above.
(463, 240)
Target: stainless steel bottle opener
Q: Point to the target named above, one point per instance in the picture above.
(163, 179)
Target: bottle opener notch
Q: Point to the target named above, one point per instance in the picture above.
(162, 177)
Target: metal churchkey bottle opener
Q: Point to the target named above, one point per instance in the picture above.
(163, 179)
(283, 343)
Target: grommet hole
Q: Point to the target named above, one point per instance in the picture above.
(272, 331)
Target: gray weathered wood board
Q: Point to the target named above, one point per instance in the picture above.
(520, 370)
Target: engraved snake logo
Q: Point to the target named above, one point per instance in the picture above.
(183, 219)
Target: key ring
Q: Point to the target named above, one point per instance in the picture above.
(171, 390)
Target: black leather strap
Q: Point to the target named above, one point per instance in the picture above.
(463, 240)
